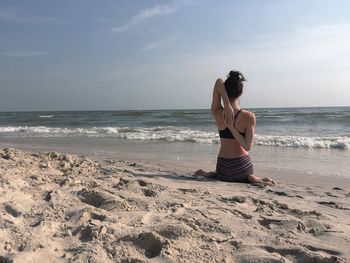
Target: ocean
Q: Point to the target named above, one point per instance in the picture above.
(317, 137)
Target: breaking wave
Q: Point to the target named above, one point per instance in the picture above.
(173, 134)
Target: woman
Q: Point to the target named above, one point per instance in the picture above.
(236, 129)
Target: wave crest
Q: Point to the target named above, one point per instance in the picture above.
(173, 134)
(303, 142)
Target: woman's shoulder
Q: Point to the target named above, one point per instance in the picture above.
(249, 116)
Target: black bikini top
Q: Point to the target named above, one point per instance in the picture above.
(227, 134)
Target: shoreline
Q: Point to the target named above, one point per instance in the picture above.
(67, 208)
(191, 157)
(189, 167)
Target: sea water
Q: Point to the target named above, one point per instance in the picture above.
(309, 140)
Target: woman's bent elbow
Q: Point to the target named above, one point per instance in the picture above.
(248, 148)
(215, 109)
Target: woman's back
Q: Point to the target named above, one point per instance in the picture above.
(230, 148)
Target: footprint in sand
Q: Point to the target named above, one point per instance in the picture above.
(102, 200)
(150, 242)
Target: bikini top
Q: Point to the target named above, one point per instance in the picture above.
(227, 134)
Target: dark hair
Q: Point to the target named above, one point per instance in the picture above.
(234, 84)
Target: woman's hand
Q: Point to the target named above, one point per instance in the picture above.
(228, 110)
(229, 119)
(229, 114)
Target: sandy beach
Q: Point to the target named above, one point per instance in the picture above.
(118, 119)
(66, 208)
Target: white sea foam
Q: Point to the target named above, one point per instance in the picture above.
(303, 142)
(46, 116)
(173, 134)
(165, 133)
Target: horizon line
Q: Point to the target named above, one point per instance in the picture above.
(285, 107)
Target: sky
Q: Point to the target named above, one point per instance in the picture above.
(126, 55)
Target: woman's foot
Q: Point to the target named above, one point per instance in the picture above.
(254, 179)
(268, 181)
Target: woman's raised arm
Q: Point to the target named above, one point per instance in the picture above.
(218, 93)
(216, 101)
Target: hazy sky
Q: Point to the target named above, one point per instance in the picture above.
(98, 55)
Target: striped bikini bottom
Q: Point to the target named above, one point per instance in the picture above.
(234, 169)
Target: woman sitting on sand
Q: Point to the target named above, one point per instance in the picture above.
(236, 130)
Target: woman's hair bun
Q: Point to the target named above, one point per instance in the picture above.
(236, 76)
(234, 84)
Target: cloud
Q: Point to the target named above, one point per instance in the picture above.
(145, 15)
(317, 46)
(306, 49)
(294, 68)
(313, 49)
(160, 43)
(22, 54)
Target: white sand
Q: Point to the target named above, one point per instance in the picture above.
(63, 208)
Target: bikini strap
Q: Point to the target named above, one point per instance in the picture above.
(238, 113)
